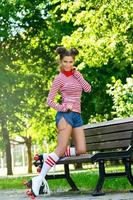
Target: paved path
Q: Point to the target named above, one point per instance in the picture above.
(20, 195)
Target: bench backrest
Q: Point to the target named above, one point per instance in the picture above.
(109, 135)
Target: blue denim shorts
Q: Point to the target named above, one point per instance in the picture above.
(73, 118)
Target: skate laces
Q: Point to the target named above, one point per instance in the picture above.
(46, 187)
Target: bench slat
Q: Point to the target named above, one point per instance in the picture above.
(108, 129)
(108, 137)
(108, 145)
(110, 122)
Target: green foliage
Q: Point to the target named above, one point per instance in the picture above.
(27, 65)
(2, 145)
(103, 31)
(122, 95)
(98, 102)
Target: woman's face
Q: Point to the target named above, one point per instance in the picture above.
(67, 63)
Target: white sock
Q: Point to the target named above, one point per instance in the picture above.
(48, 164)
(45, 156)
(70, 151)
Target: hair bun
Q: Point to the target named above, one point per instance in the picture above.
(61, 50)
(74, 51)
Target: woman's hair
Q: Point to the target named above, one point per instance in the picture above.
(62, 51)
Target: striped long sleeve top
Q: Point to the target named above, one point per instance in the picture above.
(70, 89)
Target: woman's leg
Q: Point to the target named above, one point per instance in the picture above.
(78, 137)
(64, 133)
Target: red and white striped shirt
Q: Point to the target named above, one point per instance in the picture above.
(70, 89)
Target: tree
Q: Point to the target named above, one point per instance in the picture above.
(122, 95)
(27, 65)
(103, 31)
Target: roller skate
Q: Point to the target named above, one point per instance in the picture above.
(41, 157)
(30, 194)
(28, 184)
(39, 160)
(38, 186)
(39, 169)
(38, 157)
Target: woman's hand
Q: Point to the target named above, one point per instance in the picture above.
(77, 74)
(69, 107)
(74, 68)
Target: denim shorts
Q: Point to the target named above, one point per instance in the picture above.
(73, 118)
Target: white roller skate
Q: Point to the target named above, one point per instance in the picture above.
(36, 183)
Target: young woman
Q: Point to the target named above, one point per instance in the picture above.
(70, 84)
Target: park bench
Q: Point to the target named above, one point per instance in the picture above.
(106, 141)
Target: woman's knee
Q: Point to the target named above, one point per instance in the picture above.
(80, 151)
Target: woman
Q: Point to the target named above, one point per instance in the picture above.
(70, 83)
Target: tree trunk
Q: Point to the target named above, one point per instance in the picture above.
(6, 141)
(29, 144)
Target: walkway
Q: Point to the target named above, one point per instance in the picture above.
(20, 195)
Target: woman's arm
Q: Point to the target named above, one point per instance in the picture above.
(85, 85)
(51, 96)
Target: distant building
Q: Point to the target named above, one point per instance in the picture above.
(19, 159)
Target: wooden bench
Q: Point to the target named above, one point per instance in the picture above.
(106, 141)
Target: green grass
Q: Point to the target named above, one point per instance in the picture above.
(85, 180)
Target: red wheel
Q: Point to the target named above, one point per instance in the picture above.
(39, 169)
(36, 157)
(30, 194)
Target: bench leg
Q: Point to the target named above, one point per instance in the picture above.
(69, 179)
(129, 171)
(97, 191)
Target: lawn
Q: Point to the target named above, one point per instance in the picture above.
(84, 179)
